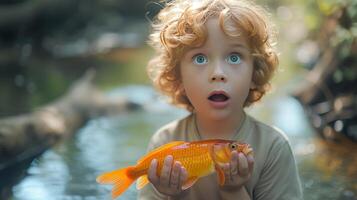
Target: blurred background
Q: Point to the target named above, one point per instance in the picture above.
(45, 46)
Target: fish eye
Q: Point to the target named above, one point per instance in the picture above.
(233, 146)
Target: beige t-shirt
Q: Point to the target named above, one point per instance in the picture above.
(275, 174)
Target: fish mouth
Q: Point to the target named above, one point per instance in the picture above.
(244, 148)
(218, 96)
(248, 150)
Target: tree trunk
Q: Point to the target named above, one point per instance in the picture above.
(24, 136)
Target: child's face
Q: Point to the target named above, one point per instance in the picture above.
(217, 76)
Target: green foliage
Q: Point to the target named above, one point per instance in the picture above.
(337, 19)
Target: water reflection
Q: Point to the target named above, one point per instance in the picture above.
(68, 171)
(47, 178)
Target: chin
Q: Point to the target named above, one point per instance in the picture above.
(219, 114)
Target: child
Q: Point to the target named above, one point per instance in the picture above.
(215, 57)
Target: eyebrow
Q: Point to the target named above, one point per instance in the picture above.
(233, 45)
(189, 50)
(239, 45)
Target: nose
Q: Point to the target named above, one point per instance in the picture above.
(219, 77)
(218, 74)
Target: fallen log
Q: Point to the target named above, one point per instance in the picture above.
(22, 137)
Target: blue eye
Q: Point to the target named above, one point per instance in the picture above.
(200, 59)
(234, 58)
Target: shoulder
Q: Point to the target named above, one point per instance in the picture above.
(275, 166)
(173, 130)
(270, 142)
(271, 134)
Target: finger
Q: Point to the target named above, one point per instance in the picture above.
(152, 174)
(226, 169)
(234, 163)
(183, 176)
(166, 171)
(243, 165)
(250, 163)
(175, 175)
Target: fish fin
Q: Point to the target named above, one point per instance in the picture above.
(165, 146)
(119, 178)
(189, 182)
(142, 181)
(220, 174)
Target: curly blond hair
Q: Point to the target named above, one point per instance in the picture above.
(181, 25)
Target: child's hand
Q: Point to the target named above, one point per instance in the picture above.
(238, 171)
(171, 179)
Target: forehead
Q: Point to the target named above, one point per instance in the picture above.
(227, 32)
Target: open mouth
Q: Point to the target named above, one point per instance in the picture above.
(218, 97)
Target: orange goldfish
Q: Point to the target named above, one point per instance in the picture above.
(200, 158)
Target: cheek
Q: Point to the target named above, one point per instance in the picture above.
(192, 89)
(189, 79)
(243, 83)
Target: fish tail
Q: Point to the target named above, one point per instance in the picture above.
(120, 178)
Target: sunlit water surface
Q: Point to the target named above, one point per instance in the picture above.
(68, 171)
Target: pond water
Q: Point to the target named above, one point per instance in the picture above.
(68, 170)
